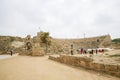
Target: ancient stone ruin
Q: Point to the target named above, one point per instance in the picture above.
(34, 46)
(87, 63)
(37, 49)
(63, 45)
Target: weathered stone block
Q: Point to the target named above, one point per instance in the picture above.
(67, 60)
(83, 64)
(58, 59)
(75, 61)
(113, 73)
(38, 52)
(118, 68)
(91, 65)
(86, 59)
(99, 67)
(111, 68)
(52, 57)
(64, 60)
(70, 61)
(117, 74)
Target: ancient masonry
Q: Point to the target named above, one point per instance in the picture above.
(86, 43)
(37, 48)
(33, 45)
(87, 63)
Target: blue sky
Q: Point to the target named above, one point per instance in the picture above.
(62, 18)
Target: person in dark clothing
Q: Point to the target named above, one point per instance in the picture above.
(11, 52)
(96, 51)
(92, 51)
(103, 50)
(72, 49)
(71, 52)
(85, 51)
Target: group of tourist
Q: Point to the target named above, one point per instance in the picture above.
(84, 51)
(89, 51)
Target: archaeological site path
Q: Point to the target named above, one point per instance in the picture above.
(41, 68)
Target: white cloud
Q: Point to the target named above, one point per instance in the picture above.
(62, 18)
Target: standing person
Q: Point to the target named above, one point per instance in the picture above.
(71, 49)
(92, 51)
(81, 50)
(103, 50)
(71, 52)
(84, 51)
(96, 51)
(11, 52)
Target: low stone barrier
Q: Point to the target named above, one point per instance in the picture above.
(87, 63)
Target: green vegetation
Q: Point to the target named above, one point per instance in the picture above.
(45, 38)
(117, 40)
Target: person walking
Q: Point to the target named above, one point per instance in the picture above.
(72, 49)
(11, 52)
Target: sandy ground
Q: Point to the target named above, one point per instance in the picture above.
(41, 68)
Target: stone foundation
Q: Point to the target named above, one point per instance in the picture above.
(87, 63)
(38, 52)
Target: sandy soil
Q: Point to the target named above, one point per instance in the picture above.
(41, 68)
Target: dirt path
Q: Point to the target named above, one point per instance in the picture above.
(41, 68)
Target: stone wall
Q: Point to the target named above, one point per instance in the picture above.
(106, 42)
(87, 63)
(64, 45)
(38, 51)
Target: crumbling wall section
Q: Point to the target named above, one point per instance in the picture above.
(87, 63)
(106, 42)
